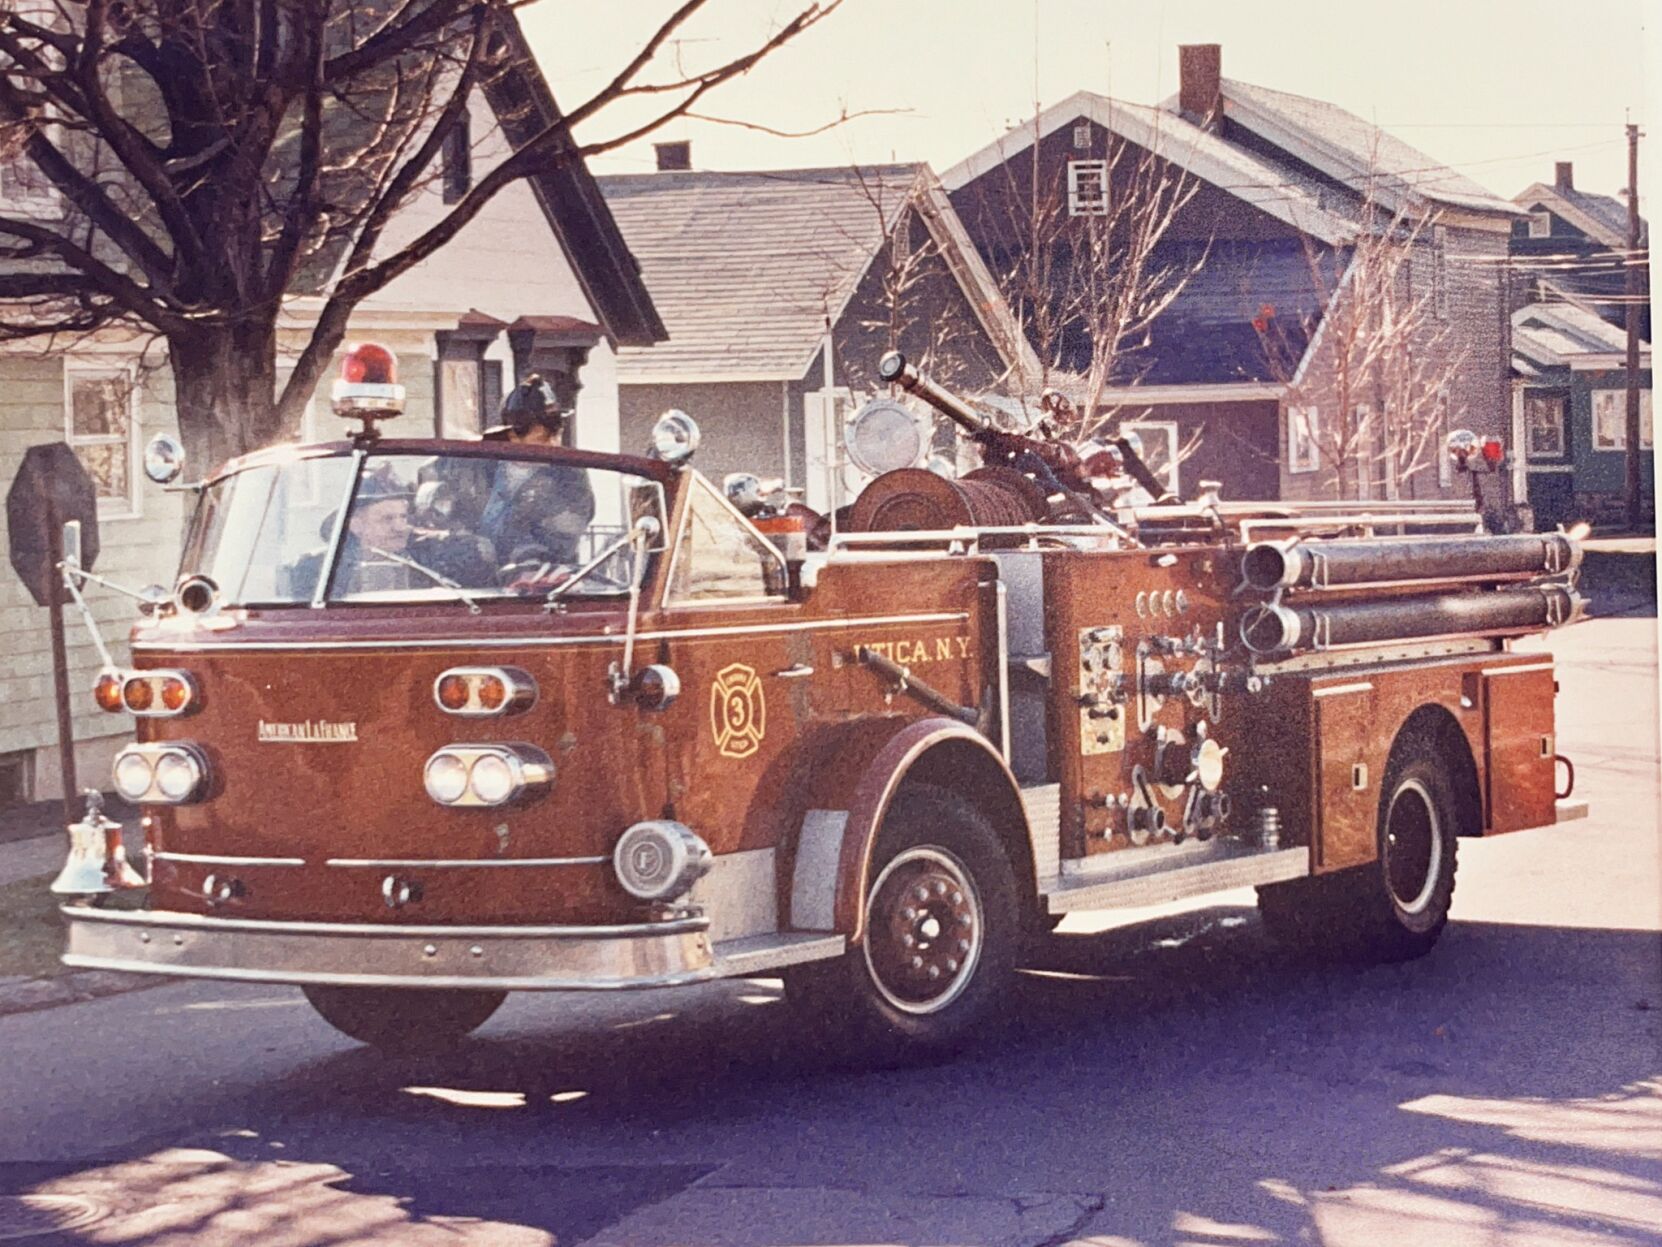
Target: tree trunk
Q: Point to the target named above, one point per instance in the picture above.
(225, 382)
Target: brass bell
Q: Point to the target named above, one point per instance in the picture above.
(97, 861)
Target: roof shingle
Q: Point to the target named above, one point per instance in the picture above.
(745, 267)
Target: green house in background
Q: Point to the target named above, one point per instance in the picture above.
(1569, 370)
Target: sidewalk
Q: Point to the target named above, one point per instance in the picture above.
(32, 847)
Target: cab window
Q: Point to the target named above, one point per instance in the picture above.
(720, 557)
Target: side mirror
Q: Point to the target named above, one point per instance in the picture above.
(164, 459)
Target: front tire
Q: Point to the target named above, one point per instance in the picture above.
(942, 924)
(403, 1021)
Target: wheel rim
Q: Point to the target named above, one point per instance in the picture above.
(924, 930)
(1413, 847)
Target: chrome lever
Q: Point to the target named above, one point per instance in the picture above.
(796, 671)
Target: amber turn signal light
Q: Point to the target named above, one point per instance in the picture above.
(175, 693)
(137, 694)
(477, 692)
(107, 691)
(453, 692)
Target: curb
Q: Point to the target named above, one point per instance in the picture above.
(20, 995)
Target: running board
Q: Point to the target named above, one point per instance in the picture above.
(762, 954)
(1157, 875)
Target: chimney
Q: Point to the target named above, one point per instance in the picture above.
(1564, 179)
(1200, 81)
(673, 157)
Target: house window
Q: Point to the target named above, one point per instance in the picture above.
(1087, 188)
(1544, 425)
(1610, 419)
(101, 425)
(1303, 430)
(1540, 225)
(1156, 443)
(460, 394)
(1082, 136)
(1445, 461)
(24, 189)
(1439, 271)
(456, 159)
(900, 247)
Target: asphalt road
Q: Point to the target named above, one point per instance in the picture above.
(1166, 1082)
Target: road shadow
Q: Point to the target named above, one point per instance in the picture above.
(1184, 1072)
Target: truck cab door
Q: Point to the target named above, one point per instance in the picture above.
(731, 635)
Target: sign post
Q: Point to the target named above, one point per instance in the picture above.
(52, 488)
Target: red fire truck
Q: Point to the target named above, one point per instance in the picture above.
(412, 764)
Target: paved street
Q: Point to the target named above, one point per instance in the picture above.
(1166, 1082)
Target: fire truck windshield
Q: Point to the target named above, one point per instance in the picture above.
(407, 527)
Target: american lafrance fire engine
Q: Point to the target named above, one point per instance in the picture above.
(412, 762)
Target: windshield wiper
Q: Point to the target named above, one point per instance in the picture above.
(438, 578)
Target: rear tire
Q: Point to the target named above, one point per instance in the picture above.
(403, 1020)
(1408, 890)
(1395, 907)
(942, 926)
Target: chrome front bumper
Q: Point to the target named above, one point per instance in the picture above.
(663, 954)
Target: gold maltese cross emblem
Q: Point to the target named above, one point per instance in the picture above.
(738, 711)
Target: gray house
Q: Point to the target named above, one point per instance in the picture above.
(781, 290)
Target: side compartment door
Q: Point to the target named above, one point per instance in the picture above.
(1518, 725)
(1347, 796)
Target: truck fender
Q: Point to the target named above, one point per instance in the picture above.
(832, 863)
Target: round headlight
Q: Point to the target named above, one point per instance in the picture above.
(659, 859)
(133, 775)
(674, 437)
(491, 779)
(446, 778)
(177, 775)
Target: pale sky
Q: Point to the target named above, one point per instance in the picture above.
(1500, 90)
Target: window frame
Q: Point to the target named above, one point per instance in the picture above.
(456, 159)
(110, 507)
(1439, 272)
(1078, 203)
(1082, 137)
(1167, 429)
(1535, 399)
(1540, 223)
(1618, 401)
(1307, 415)
(670, 598)
(46, 203)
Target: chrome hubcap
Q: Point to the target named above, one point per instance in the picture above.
(1413, 847)
(923, 930)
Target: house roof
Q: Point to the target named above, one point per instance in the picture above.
(748, 267)
(566, 190)
(1603, 218)
(1558, 335)
(1350, 150)
(1276, 187)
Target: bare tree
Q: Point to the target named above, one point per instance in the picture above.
(1087, 264)
(208, 159)
(1369, 376)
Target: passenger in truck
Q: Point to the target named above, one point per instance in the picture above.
(535, 507)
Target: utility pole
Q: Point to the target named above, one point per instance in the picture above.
(1635, 491)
